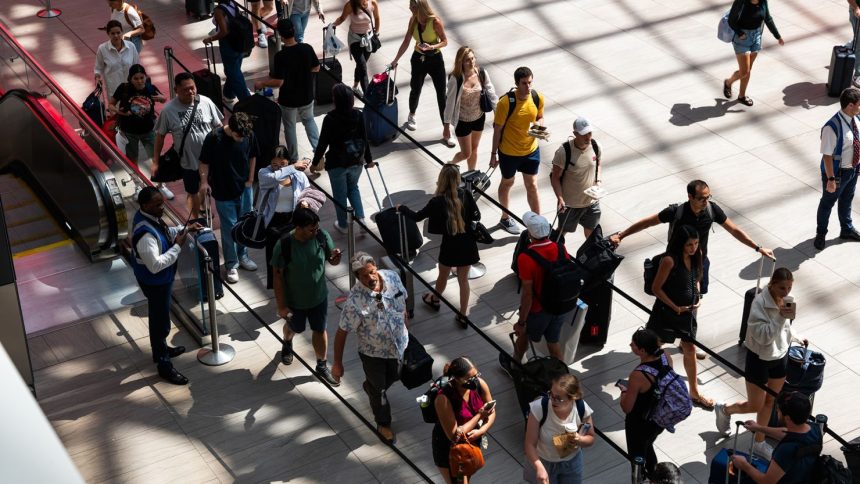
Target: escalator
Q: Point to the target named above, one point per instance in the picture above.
(31, 227)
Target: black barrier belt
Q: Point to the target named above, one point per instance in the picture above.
(321, 380)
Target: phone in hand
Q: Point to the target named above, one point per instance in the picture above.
(622, 384)
(489, 405)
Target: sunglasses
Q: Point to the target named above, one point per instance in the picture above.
(557, 399)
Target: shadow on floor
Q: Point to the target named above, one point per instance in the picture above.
(807, 95)
(684, 114)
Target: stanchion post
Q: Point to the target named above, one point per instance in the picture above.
(220, 353)
(49, 12)
(350, 241)
(638, 474)
(168, 58)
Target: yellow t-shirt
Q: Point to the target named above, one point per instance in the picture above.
(515, 139)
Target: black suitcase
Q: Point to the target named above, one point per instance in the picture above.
(208, 81)
(200, 9)
(748, 300)
(331, 73)
(381, 108)
(804, 374)
(390, 223)
(841, 74)
(207, 239)
(417, 365)
(599, 300)
(478, 180)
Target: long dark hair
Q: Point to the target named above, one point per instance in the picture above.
(459, 367)
(680, 236)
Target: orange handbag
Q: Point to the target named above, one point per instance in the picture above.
(465, 459)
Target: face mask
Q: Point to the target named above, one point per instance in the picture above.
(471, 384)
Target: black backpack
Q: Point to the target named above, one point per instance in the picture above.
(427, 402)
(826, 470)
(562, 281)
(651, 265)
(240, 32)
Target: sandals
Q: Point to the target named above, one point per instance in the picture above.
(461, 322)
(745, 100)
(727, 90)
(431, 301)
(702, 402)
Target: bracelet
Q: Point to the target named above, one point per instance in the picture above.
(758, 248)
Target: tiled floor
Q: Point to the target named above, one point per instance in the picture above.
(647, 74)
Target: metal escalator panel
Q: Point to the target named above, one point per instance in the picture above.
(30, 226)
(77, 190)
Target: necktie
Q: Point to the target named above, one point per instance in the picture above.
(855, 160)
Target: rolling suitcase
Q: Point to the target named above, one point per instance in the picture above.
(804, 374)
(380, 112)
(599, 301)
(571, 331)
(748, 299)
(478, 180)
(206, 238)
(841, 75)
(331, 73)
(390, 224)
(722, 473)
(200, 9)
(208, 81)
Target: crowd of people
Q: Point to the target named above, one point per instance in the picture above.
(221, 160)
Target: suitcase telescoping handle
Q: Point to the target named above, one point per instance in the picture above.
(391, 86)
(761, 268)
(561, 223)
(738, 425)
(210, 61)
(373, 187)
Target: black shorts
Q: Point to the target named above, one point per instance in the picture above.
(441, 447)
(760, 371)
(191, 181)
(465, 128)
(670, 325)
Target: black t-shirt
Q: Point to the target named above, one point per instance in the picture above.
(798, 467)
(293, 65)
(139, 104)
(751, 16)
(702, 222)
(229, 163)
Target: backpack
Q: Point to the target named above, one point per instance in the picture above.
(826, 469)
(355, 145)
(567, 154)
(562, 281)
(146, 21)
(427, 402)
(651, 265)
(512, 104)
(287, 246)
(679, 212)
(240, 32)
(534, 378)
(544, 405)
(672, 402)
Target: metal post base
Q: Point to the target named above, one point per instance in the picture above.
(477, 270)
(49, 13)
(225, 354)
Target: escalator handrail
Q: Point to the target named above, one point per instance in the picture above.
(92, 128)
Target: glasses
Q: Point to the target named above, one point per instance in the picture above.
(557, 399)
(379, 304)
(472, 378)
(702, 199)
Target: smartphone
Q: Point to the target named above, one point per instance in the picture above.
(489, 405)
(622, 383)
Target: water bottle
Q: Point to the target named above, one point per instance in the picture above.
(423, 401)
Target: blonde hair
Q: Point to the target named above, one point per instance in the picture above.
(423, 9)
(462, 53)
(446, 186)
(570, 385)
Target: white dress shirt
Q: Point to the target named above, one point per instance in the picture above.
(113, 64)
(148, 248)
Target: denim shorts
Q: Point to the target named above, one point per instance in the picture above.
(545, 325)
(527, 165)
(749, 44)
(315, 316)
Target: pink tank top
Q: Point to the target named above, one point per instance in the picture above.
(464, 413)
(359, 22)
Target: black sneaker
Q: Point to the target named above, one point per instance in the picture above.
(287, 352)
(505, 363)
(818, 243)
(324, 372)
(850, 234)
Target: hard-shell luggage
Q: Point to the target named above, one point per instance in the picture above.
(571, 331)
(390, 223)
(330, 73)
(380, 112)
(721, 473)
(478, 180)
(748, 300)
(417, 365)
(206, 238)
(207, 80)
(200, 9)
(599, 301)
(842, 62)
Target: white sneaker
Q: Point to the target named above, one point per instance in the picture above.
(410, 123)
(763, 450)
(261, 40)
(247, 264)
(724, 423)
(510, 226)
(232, 276)
(339, 228)
(448, 142)
(166, 192)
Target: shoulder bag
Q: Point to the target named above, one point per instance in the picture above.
(169, 164)
(486, 103)
(375, 43)
(465, 459)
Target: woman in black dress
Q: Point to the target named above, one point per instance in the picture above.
(451, 211)
(676, 286)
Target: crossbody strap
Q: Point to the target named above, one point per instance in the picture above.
(188, 128)
(372, 25)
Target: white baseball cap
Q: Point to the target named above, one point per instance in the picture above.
(537, 225)
(581, 126)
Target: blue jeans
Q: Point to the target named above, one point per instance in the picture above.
(229, 212)
(132, 149)
(854, 24)
(137, 41)
(234, 82)
(300, 23)
(565, 472)
(844, 195)
(306, 115)
(344, 185)
(158, 306)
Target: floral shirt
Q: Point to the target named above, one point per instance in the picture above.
(380, 324)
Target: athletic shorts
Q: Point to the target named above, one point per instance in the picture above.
(545, 325)
(527, 165)
(760, 371)
(191, 181)
(315, 315)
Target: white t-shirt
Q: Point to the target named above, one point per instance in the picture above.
(119, 16)
(554, 426)
(828, 141)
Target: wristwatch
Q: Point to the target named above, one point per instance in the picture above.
(832, 178)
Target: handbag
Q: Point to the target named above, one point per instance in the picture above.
(170, 163)
(250, 229)
(480, 233)
(724, 31)
(417, 365)
(485, 102)
(465, 459)
(375, 43)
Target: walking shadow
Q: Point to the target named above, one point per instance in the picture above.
(807, 95)
(684, 114)
(791, 258)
